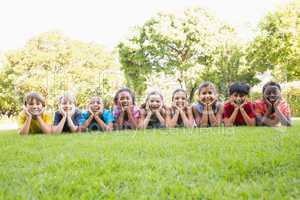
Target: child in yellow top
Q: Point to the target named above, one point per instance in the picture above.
(33, 118)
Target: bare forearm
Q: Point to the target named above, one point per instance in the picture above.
(72, 126)
(204, 119)
(25, 129)
(283, 119)
(101, 123)
(87, 123)
(213, 119)
(46, 128)
(133, 121)
(161, 119)
(119, 121)
(230, 121)
(59, 127)
(249, 121)
(185, 120)
(174, 120)
(146, 121)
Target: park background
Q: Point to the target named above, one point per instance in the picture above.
(96, 47)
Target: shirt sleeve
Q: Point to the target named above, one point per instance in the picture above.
(116, 113)
(47, 117)
(108, 117)
(227, 111)
(249, 108)
(83, 117)
(77, 118)
(285, 109)
(136, 113)
(57, 118)
(21, 120)
(259, 110)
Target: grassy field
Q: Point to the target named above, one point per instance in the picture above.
(218, 163)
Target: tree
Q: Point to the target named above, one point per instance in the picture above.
(227, 66)
(277, 46)
(189, 45)
(53, 64)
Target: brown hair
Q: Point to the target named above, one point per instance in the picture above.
(34, 95)
(179, 90)
(143, 106)
(207, 84)
(124, 90)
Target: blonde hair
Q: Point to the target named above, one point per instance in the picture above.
(68, 97)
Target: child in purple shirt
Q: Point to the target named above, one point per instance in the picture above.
(125, 112)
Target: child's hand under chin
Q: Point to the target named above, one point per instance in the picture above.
(62, 111)
(71, 112)
(95, 112)
(208, 102)
(37, 113)
(126, 107)
(26, 111)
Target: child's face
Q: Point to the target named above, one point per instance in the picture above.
(155, 102)
(207, 95)
(96, 104)
(34, 106)
(66, 104)
(124, 99)
(238, 98)
(180, 99)
(272, 94)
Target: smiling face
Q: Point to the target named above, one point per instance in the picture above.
(96, 104)
(238, 98)
(272, 94)
(124, 99)
(155, 102)
(66, 104)
(207, 95)
(34, 106)
(180, 99)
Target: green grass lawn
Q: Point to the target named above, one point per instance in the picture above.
(217, 163)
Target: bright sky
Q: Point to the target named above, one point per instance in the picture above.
(106, 22)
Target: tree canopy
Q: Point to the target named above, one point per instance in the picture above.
(52, 64)
(277, 45)
(193, 46)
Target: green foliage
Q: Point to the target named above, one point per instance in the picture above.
(277, 46)
(192, 46)
(292, 95)
(53, 64)
(216, 163)
(227, 66)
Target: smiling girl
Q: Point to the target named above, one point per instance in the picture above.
(125, 112)
(180, 112)
(153, 112)
(208, 111)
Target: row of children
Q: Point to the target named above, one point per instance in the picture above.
(208, 111)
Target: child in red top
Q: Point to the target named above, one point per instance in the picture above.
(238, 110)
(272, 110)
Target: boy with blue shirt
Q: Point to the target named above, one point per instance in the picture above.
(96, 118)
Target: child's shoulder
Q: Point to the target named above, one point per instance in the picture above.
(227, 104)
(77, 110)
(22, 116)
(259, 101)
(47, 113)
(107, 112)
